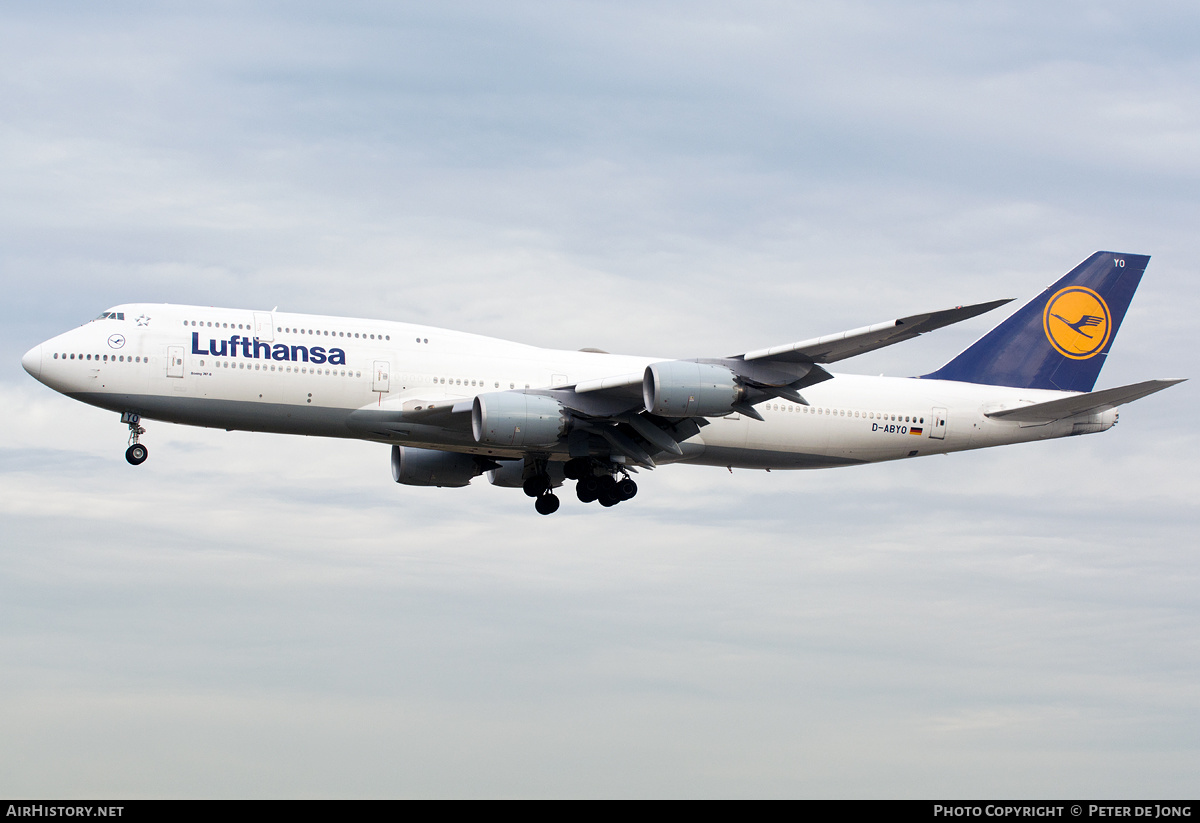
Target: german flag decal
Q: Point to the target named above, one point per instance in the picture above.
(915, 430)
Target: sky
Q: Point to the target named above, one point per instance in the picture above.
(253, 615)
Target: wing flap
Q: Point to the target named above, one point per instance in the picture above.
(1087, 403)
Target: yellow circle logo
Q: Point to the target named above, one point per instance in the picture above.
(1077, 322)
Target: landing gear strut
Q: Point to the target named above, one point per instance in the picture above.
(136, 454)
(541, 486)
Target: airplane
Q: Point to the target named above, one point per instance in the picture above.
(454, 406)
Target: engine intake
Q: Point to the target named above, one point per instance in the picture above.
(510, 418)
(428, 467)
(678, 388)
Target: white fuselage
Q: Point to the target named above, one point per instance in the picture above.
(310, 374)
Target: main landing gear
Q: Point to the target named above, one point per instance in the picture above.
(540, 486)
(605, 488)
(136, 454)
(596, 481)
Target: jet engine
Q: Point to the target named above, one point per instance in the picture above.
(678, 388)
(429, 467)
(510, 418)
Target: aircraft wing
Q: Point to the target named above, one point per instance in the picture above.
(1086, 403)
(451, 413)
(780, 371)
(827, 349)
(834, 347)
(612, 407)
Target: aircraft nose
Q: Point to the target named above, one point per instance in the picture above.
(32, 361)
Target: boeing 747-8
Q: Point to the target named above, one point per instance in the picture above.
(454, 405)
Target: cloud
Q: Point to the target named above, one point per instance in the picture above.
(260, 615)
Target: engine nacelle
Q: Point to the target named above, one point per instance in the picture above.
(677, 388)
(511, 418)
(428, 467)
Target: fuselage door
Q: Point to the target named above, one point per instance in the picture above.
(937, 429)
(174, 361)
(263, 329)
(382, 376)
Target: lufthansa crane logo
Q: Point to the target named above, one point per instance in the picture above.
(1077, 322)
(116, 341)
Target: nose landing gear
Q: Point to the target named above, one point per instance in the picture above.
(136, 454)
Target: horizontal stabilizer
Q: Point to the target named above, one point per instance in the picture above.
(1089, 403)
(834, 347)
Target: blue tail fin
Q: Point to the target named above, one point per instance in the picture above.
(1058, 340)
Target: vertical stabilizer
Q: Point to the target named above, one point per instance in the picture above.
(1058, 340)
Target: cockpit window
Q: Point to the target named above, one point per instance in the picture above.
(112, 315)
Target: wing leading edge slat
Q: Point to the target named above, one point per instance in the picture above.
(834, 347)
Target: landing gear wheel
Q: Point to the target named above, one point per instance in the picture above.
(588, 488)
(136, 454)
(546, 504)
(608, 494)
(536, 485)
(626, 489)
(577, 468)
